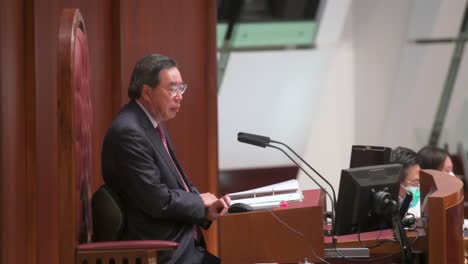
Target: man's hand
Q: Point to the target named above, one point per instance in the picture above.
(227, 199)
(208, 198)
(216, 207)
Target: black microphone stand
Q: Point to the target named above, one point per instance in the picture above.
(310, 167)
(262, 141)
(334, 201)
(303, 170)
(385, 205)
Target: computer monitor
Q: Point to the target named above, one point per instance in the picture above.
(362, 156)
(357, 208)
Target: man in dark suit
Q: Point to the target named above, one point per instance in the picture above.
(138, 162)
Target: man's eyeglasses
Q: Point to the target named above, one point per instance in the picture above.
(177, 89)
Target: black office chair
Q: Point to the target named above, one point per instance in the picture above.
(108, 215)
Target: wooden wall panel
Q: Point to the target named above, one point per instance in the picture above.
(17, 222)
(12, 116)
(46, 18)
(119, 33)
(30, 140)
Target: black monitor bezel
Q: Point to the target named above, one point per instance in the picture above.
(354, 206)
(381, 156)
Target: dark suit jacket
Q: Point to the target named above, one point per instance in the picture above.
(137, 166)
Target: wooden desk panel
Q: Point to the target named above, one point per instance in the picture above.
(263, 236)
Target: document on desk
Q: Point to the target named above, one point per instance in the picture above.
(270, 196)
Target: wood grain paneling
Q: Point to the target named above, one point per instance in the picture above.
(46, 18)
(444, 209)
(14, 238)
(116, 57)
(119, 33)
(211, 112)
(30, 136)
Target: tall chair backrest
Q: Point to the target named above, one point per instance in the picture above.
(75, 166)
(74, 135)
(108, 215)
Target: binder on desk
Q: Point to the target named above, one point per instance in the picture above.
(270, 196)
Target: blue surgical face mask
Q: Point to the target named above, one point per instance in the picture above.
(415, 191)
(416, 195)
(415, 206)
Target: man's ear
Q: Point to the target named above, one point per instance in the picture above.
(145, 93)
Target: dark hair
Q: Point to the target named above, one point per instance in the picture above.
(147, 71)
(432, 157)
(406, 157)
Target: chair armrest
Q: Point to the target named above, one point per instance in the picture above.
(128, 245)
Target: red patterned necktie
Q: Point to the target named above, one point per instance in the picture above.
(164, 141)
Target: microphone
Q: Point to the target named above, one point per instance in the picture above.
(252, 139)
(262, 141)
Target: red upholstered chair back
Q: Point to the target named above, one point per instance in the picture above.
(74, 137)
(82, 123)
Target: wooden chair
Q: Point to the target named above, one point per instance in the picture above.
(442, 211)
(75, 163)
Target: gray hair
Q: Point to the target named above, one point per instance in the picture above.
(147, 71)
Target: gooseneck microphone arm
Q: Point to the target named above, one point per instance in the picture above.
(303, 170)
(262, 141)
(310, 167)
(333, 200)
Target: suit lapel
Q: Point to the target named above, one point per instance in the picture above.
(154, 136)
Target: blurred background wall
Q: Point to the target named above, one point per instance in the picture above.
(368, 80)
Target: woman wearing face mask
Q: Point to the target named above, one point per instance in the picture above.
(409, 177)
(436, 159)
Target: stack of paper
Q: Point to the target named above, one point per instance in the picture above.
(269, 196)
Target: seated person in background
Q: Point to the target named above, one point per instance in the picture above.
(436, 159)
(139, 163)
(409, 178)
